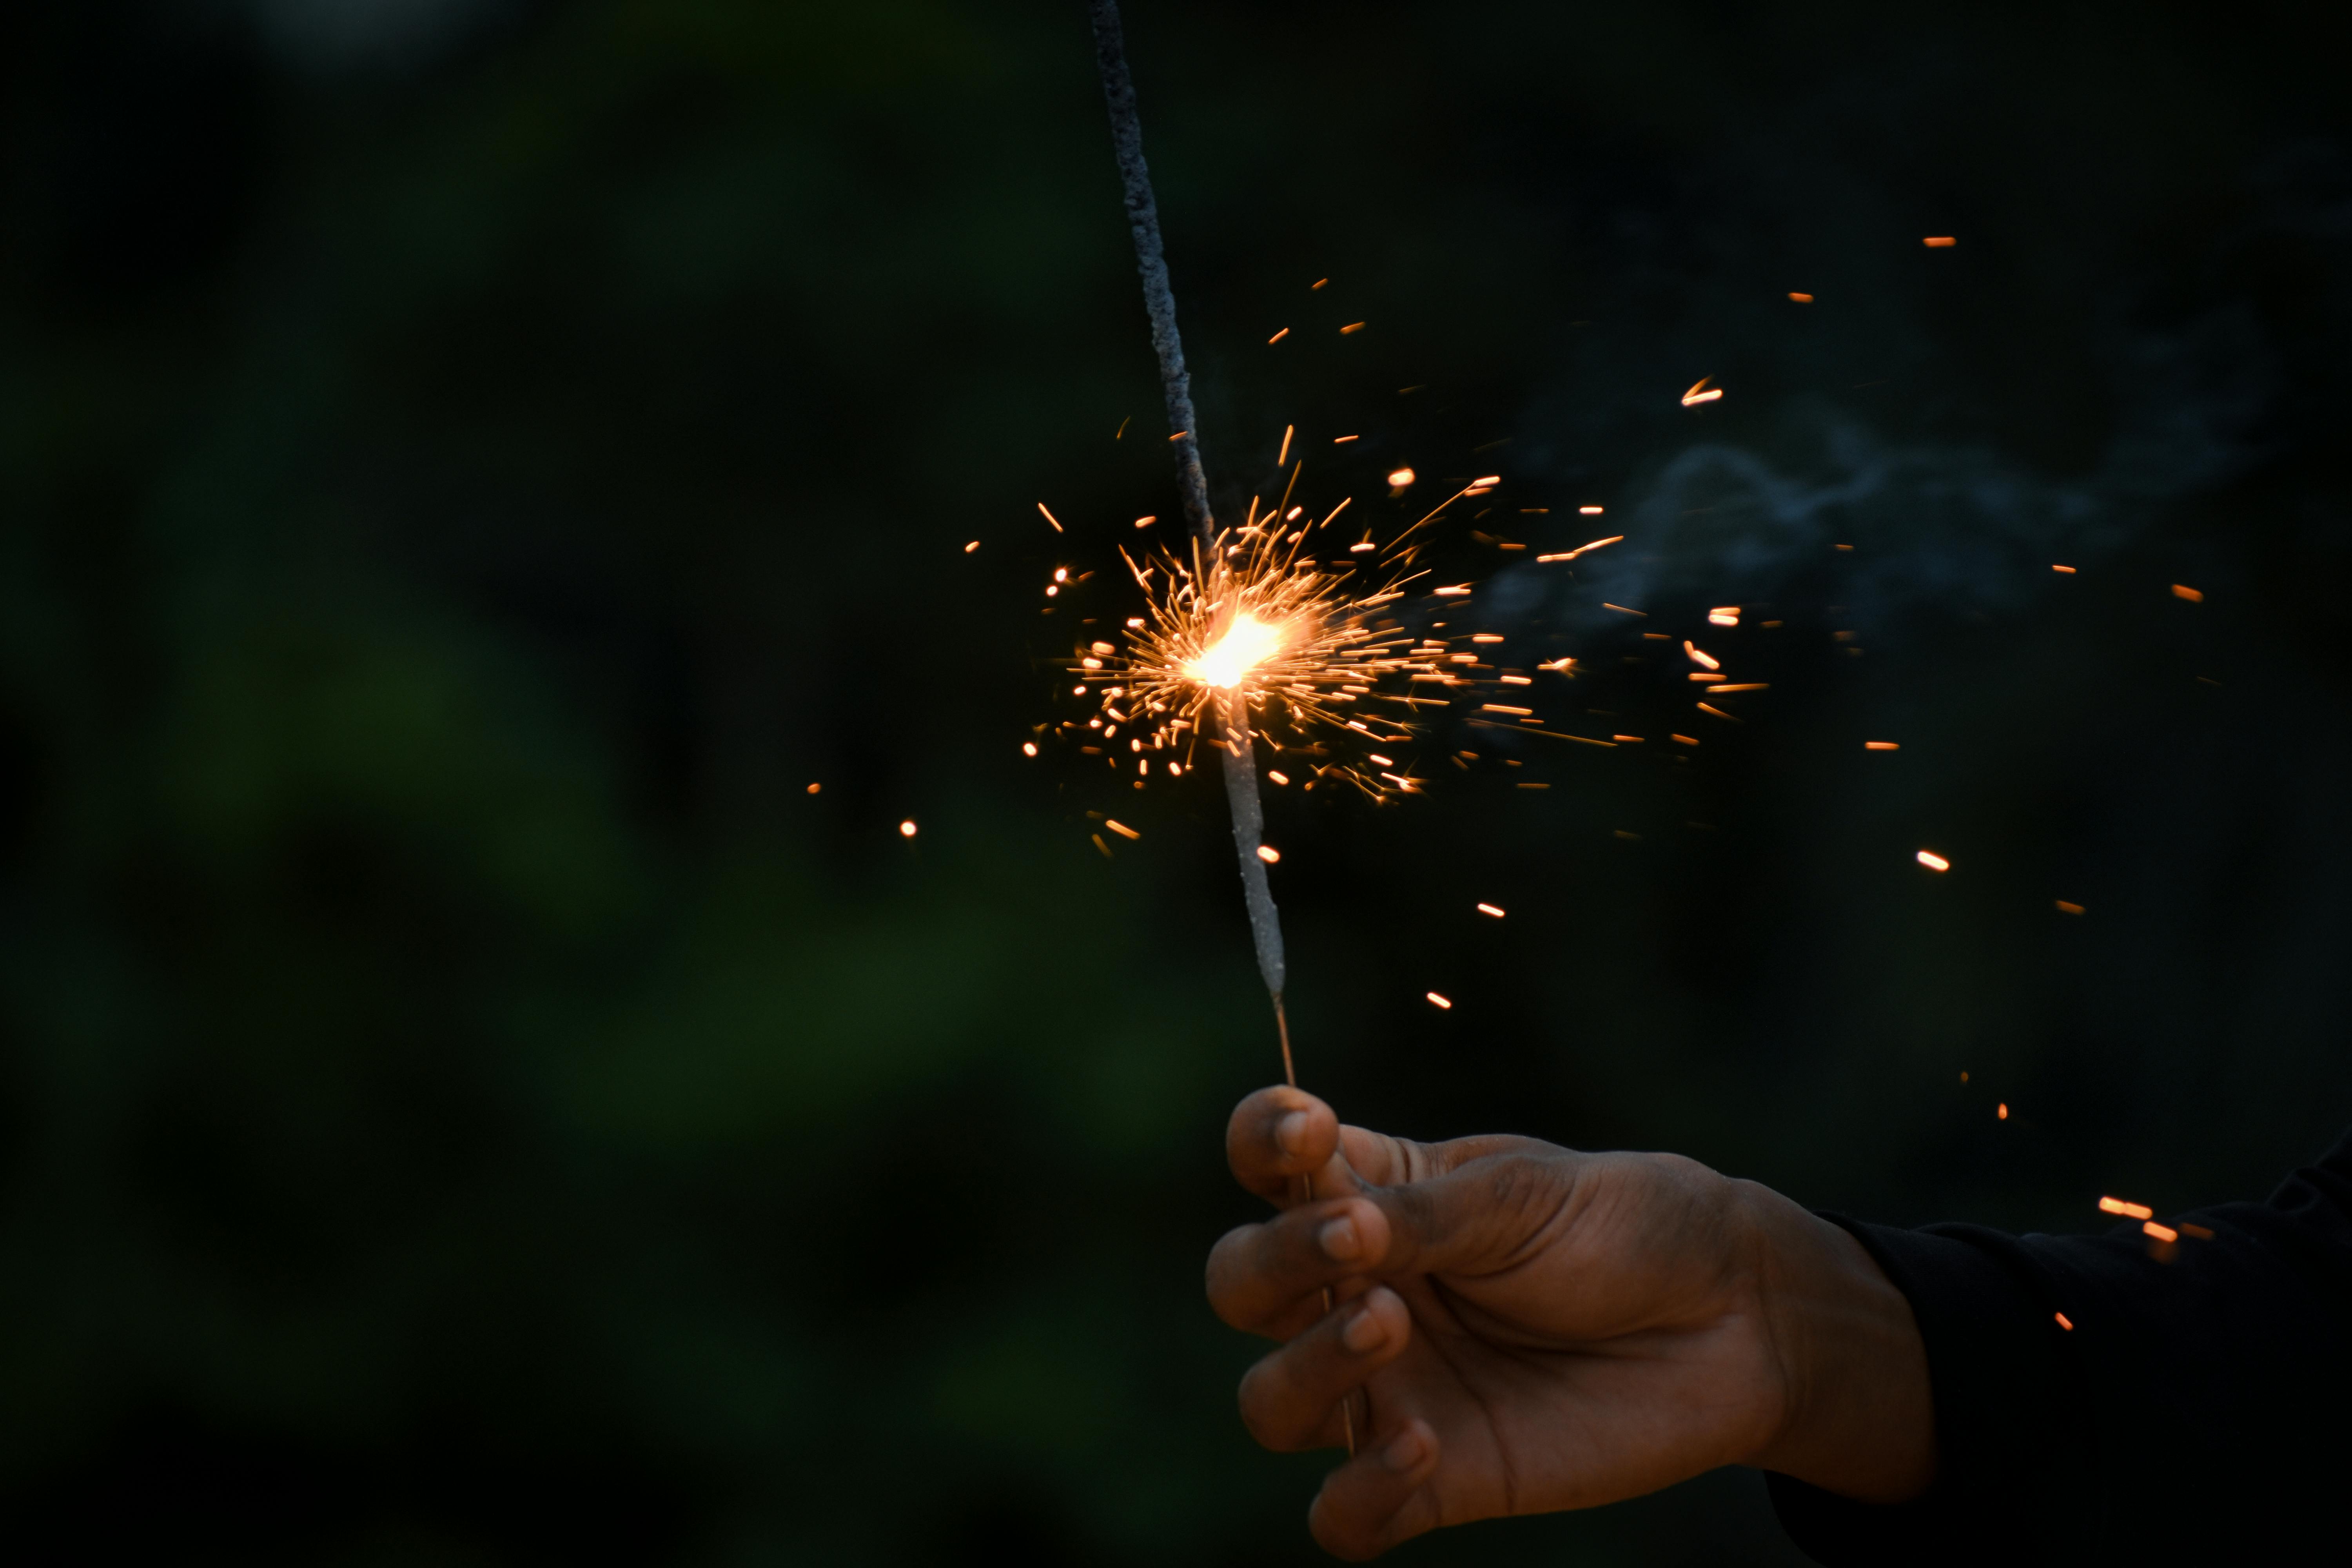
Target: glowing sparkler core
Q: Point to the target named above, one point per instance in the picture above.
(1249, 637)
(1227, 662)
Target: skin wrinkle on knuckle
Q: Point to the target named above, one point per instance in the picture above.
(1536, 1197)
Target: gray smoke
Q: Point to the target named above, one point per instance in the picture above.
(333, 37)
(1962, 527)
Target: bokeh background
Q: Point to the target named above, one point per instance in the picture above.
(467, 468)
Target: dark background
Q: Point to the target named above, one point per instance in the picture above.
(465, 468)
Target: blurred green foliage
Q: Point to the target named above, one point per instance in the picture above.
(467, 470)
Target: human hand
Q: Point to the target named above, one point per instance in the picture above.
(1519, 1328)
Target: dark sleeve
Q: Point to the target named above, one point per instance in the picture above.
(2197, 1403)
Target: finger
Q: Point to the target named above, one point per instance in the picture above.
(1378, 1498)
(1266, 1277)
(1290, 1400)
(1488, 1213)
(1276, 1136)
(1382, 1160)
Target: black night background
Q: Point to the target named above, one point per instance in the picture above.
(467, 468)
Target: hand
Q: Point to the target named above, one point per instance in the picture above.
(1520, 1328)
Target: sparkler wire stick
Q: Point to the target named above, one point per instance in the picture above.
(1159, 299)
(1176, 388)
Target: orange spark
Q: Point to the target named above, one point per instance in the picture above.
(1801, 299)
(1400, 477)
(1028, 749)
(1352, 327)
(1051, 517)
(2064, 1322)
(1277, 337)
(1269, 853)
(906, 828)
(1700, 656)
(1939, 242)
(972, 546)
(2181, 591)
(1933, 861)
(1437, 1000)
(1588, 511)
(1882, 745)
(1490, 910)
(1701, 393)
(2066, 909)
(2128, 1210)
(2068, 570)
(2002, 1110)
(2161, 1232)
(1122, 829)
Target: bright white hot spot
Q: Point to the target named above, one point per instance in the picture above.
(1227, 662)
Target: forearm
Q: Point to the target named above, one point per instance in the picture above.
(2075, 1377)
(1859, 1416)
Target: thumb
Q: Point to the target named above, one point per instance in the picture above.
(1487, 1215)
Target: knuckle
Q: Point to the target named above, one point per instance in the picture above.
(1518, 1183)
(1229, 1273)
(1342, 1537)
(1257, 1401)
(1272, 1408)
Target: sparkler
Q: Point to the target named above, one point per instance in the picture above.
(1252, 618)
(1226, 657)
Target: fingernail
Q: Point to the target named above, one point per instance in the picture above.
(1404, 1451)
(1339, 1238)
(1365, 1331)
(1291, 1133)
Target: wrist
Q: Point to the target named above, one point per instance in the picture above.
(1858, 1416)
